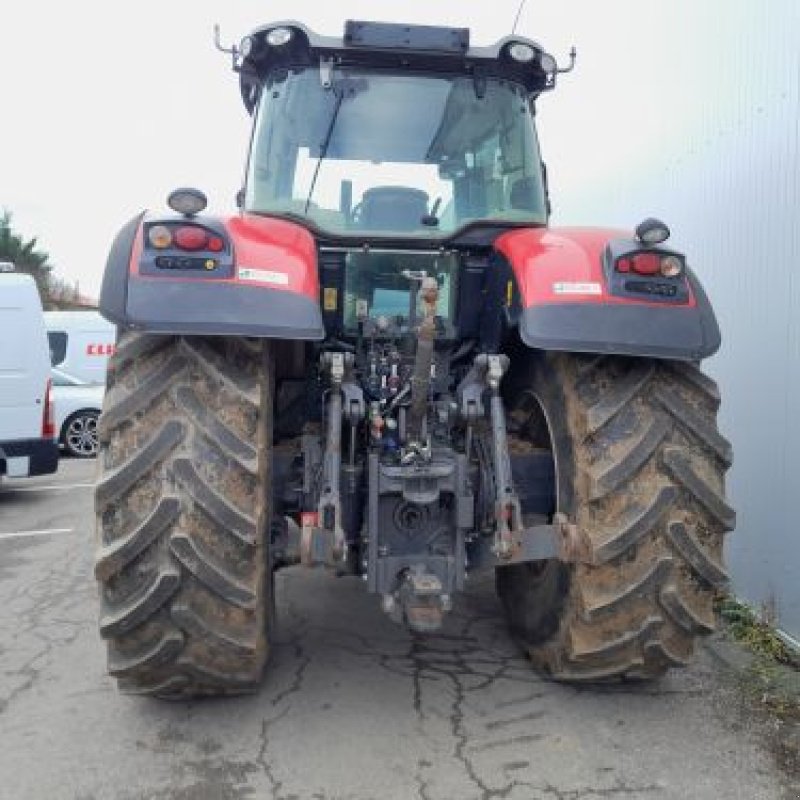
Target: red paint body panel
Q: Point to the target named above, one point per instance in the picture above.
(541, 258)
(136, 251)
(259, 243)
(278, 246)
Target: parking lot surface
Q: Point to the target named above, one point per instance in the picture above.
(351, 708)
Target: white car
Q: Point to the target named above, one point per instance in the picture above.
(77, 409)
(80, 343)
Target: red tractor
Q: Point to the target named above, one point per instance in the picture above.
(385, 362)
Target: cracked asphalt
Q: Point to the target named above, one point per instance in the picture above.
(351, 708)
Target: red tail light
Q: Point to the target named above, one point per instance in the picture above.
(669, 265)
(48, 415)
(646, 263)
(642, 263)
(190, 237)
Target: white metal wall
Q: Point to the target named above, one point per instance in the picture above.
(725, 175)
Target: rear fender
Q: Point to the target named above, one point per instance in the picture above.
(264, 282)
(572, 299)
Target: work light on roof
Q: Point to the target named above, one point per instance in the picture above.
(246, 46)
(522, 52)
(278, 36)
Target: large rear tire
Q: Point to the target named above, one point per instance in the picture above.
(183, 504)
(639, 467)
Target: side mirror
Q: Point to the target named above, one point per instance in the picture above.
(240, 199)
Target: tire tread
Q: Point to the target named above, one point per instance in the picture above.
(644, 473)
(181, 557)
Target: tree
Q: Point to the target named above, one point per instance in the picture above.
(61, 291)
(25, 256)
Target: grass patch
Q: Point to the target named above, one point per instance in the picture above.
(745, 625)
(770, 686)
(773, 679)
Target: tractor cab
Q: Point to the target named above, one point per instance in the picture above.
(394, 133)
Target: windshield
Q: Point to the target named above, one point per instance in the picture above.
(391, 155)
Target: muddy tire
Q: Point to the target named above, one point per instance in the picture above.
(182, 507)
(639, 466)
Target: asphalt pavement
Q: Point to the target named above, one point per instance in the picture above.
(352, 707)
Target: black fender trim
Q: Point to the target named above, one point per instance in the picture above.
(220, 309)
(114, 290)
(200, 307)
(677, 332)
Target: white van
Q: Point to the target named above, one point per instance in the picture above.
(80, 343)
(28, 437)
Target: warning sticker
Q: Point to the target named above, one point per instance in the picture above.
(577, 288)
(329, 299)
(263, 276)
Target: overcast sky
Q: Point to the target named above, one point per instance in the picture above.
(108, 106)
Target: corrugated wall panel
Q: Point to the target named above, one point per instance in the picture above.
(728, 183)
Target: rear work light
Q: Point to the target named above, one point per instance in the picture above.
(652, 231)
(669, 266)
(188, 202)
(48, 416)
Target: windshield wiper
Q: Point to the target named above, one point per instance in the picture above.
(431, 219)
(323, 150)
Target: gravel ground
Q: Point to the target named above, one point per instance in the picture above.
(352, 707)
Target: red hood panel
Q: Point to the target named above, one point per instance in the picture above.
(554, 265)
(275, 253)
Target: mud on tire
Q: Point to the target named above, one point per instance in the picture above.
(640, 466)
(181, 502)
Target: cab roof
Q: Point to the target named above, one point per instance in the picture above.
(390, 46)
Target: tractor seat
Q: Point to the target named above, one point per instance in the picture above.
(524, 192)
(393, 208)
